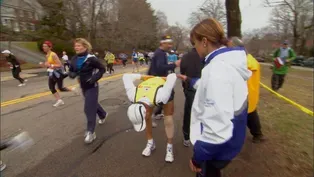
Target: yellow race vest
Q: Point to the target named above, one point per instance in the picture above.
(149, 89)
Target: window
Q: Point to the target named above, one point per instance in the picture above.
(23, 26)
(30, 15)
(16, 27)
(21, 13)
(31, 26)
(4, 21)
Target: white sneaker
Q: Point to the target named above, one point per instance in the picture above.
(187, 143)
(107, 72)
(102, 121)
(148, 150)
(20, 85)
(169, 155)
(2, 166)
(90, 137)
(58, 103)
(159, 116)
(154, 124)
(25, 80)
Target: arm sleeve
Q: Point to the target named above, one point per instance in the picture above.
(292, 54)
(183, 65)
(164, 93)
(161, 65)
(101, 69)
(128, 81)
(218, 111)
(193, 82)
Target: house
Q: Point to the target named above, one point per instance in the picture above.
(20, 15)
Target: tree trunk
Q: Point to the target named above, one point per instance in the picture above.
(233, 18)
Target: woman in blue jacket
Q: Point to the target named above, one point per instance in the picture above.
(89, 70)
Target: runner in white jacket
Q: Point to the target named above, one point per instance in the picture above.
(219, 111)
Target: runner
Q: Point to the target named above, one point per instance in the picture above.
(153, 91)
(219, 111)
(141, 58)
(191, 67)
(135, 61)
(110, 60)
(124, 59)
(172, 58)
(160, 67)
(55, 73)
(65, 58)
(84, 66)
(253, 121)
(15, 67)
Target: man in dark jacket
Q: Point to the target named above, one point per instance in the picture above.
(15, 67)
(160, 67)
(191, 67)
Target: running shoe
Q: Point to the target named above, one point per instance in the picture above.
(21, 85)
(25, 80)
(148, 149)
(169, 155)
(58, 103)
(2, 166)
(154, 124)
(159, 116)
(102, 121)
(90, 137)
(186, 143)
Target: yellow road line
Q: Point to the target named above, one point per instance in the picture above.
(302, 108)
(38, 95)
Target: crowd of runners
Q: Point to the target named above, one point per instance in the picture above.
(220, 80)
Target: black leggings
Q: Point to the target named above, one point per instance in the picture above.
(52, 81)
(16, 75)
(124, 62)
(110, 67)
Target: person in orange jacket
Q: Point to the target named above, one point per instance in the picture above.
(253, 121)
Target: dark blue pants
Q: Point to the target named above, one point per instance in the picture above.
(92, 107)
(212, 168)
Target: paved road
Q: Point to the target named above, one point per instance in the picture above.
(59, 150)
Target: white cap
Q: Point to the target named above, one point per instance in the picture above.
(136, 114)
(6, 51)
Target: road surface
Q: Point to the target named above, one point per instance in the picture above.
(59, 149)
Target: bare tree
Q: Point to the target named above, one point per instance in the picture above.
(233, 18)
(295, 18)
(210, 8)
(162, 23)
(179, 35)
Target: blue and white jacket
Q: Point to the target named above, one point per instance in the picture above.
(219, 111)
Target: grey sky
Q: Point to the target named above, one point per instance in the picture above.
(254, 15)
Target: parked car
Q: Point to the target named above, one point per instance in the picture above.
(298, 61)
(260, 59)
(309, 62)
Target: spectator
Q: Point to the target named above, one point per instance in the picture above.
(253, 121)
(282, 57)
(191, 67)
